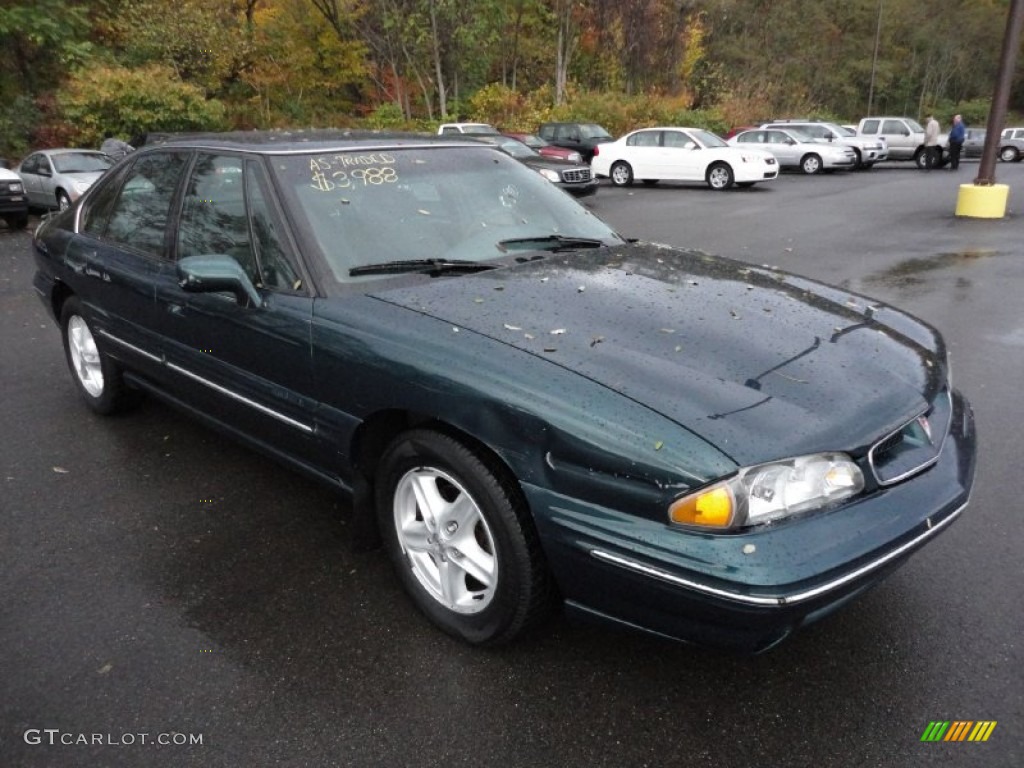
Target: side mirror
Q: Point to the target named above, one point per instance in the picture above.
(217, 273)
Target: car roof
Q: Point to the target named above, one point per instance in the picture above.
(304, 141)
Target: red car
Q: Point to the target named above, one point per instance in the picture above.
(537, 144)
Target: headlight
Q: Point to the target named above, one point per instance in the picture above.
(80, 186)
(548, 174)
(575, 157)
(15, 186)
(772, 491)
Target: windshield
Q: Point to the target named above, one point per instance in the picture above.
(594, 132)
(81, 162)
(914, 126)
(708, 139)
(362, 207)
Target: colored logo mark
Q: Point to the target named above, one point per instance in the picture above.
(958, 730)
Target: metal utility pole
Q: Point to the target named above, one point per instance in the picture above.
(874, 59)
(1001, 98)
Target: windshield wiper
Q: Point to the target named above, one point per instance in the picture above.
(433, 266)
(552, 242)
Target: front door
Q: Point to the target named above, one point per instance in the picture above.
(249, 366)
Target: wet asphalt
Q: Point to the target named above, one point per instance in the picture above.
(160, 583)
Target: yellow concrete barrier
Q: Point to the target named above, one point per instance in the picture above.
(982, 202)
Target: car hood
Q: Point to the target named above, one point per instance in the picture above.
(85, 177)
(552, 163)
(761, 364)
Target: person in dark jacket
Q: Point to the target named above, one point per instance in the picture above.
(956, 141)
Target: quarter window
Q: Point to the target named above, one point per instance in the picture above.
(276, 270)
(644, 139)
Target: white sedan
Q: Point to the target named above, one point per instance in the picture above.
(681, 154)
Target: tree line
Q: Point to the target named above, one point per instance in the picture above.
(74, 70)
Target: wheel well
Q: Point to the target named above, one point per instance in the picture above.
(60, 294)
(376, 433)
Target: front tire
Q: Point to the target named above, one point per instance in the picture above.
(719, 176)
(460, 537)
(921, 158)
(63, 201)
(97, 377)
(811, 164)
(621, 174)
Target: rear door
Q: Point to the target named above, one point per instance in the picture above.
(645, 154)
(121, 251)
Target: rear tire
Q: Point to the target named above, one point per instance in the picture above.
(1009, 154)
(461, 538)
(621, 174)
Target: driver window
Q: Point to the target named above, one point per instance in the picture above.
(677, 139)
(213, 218)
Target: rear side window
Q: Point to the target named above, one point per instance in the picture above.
(870, 126)
(135, 214)
(644, 139)
(894, 126)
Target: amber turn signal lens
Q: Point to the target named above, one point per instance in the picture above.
(713, 508)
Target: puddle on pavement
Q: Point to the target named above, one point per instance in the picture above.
(912, 271)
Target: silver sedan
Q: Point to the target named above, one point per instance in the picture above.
(795, 149)
(55, 178)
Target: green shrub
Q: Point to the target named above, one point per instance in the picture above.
(127, 102)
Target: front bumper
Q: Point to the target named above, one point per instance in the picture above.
(13, 204)
(748, 591)
(582, 189)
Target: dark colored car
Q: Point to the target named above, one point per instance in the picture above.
(527, 406)
(541, 147)
(576, 178)
(581, 137)
(13, 201)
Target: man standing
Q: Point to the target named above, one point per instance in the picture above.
(933, 152)
(956, 141)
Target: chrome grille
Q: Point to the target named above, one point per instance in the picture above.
(576, 176)
(915, 446)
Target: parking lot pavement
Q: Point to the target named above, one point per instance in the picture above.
(160, 580)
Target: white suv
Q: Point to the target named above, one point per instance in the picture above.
(869, 149)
